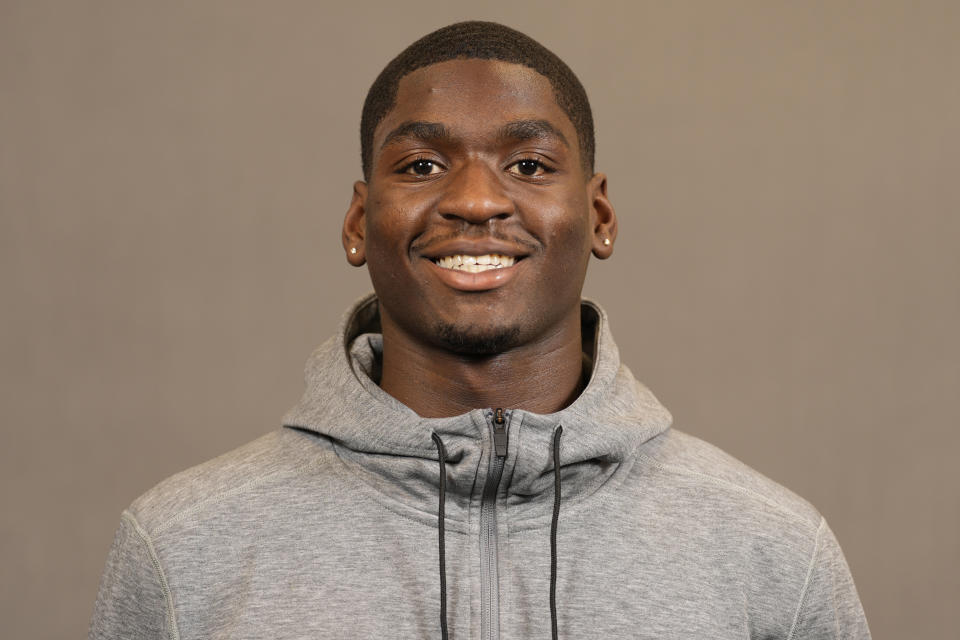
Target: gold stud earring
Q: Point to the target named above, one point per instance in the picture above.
(606, 242)
(353, 250)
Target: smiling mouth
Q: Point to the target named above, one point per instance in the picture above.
(474, 264)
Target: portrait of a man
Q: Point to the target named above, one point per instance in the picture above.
(471, 458)
(505, 320)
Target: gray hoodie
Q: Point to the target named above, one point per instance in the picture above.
(328, 527)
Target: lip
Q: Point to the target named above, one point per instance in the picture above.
(482, 281)
(464, 280)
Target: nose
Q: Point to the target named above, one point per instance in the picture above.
(476, 194)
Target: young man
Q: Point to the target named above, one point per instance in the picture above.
(470, 459)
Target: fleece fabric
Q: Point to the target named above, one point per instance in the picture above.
(328, 527)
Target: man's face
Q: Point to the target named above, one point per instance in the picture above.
(476, 162)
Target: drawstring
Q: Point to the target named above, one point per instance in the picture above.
(553, 530)
(442, 454)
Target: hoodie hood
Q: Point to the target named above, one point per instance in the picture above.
(394, 447)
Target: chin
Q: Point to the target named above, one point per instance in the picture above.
(476, 341)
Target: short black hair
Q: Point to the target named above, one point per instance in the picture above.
(486, 41)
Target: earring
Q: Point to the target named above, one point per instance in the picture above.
(606, 242)
(353, 250)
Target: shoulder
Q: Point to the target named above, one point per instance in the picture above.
(686, 461)
(202, 490)
(754, 533)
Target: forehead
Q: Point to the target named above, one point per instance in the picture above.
(473, 96)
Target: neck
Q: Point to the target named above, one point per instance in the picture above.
(543, 376)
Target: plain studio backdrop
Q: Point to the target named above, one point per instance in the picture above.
(173, 178)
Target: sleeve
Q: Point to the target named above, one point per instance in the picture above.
(829, 605)
(134, 601)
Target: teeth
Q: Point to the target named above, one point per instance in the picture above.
(475, 264)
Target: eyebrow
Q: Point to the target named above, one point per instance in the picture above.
(418, 130)
(532, 130)
(437, 132)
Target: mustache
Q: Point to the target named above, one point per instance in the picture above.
(532, 244)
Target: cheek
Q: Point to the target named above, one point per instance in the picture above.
(389, 226)
(395, 216)
(392, 226)
(567, 234)
(566, 227)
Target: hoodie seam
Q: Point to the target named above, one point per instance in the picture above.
(161, 576)
(377, 444)
(223, 495)
(806, 582)
(729, 485)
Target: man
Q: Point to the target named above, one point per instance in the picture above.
(470, 459)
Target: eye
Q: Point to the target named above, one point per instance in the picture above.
(422, 167)
(528, 167)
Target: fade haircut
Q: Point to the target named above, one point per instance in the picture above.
(485, 41)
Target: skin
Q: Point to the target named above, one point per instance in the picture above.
(505, 173)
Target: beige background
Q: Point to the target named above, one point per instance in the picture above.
(173, 176)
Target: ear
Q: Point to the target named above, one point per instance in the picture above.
(355, 225)
(602, 217)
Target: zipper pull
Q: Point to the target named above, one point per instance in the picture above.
(499, 433)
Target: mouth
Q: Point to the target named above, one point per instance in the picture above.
(474, 263)
(475, 272)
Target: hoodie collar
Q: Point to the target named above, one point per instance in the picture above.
(612, 416)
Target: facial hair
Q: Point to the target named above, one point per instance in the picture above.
(475, 341)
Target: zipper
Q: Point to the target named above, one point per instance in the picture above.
(499, 422)
(499, 433)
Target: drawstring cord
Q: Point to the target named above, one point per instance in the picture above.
(442, 454)
(553, 530)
